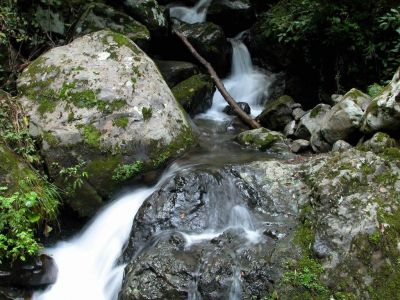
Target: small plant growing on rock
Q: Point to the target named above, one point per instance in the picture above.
(124, 172)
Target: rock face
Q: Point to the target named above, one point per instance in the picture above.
(176, 71)
(343, 120)
(379, 143)
(195, 93)
(329, 229)
(98, 16)
(383, 114)
(277, 113)
(311, 122)
(100, 105)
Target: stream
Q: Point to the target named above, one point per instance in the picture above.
(89, 263)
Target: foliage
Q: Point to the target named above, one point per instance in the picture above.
(124, 172)
(22, 212)
(346, 42)
(147, 112)
(73, 177)
(375, 89)
(14, 131)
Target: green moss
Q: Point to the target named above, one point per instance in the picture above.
(147, 112)
(46, 105)
(186, 90)
(282, 100)
(121, 122)
(315, 111)
(261, 138)
(91, 135)
(392, 153)
(50, 139)
(160, 153)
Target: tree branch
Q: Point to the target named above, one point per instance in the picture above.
(220, 86)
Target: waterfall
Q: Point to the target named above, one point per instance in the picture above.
(245, 83)
(191, 15)
(87, 264)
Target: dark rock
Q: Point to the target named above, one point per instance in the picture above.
(148, 12)
(195, 93)
(277, 113)
(379, 143)
(319, 144)
(243, 105)
(36, 271)
(176, 71)
(233, 16)
(98, 16)
(209, 40)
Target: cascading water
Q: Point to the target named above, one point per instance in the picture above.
(245, 84)
(191, 15)
(87, 264)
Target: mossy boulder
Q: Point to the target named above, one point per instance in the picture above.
(176, 71)
(379, 143)
(343, 120)
(195, 93)
(311, 122)
(100, 103)
(98, 16)
(277, 113)
(383, 113)
(260, 139)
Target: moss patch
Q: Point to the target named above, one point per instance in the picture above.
(121, 122)
(91, 135)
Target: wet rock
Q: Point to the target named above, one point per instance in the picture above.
(277, 113)
(336, 98)
(341, 146)
(195, 93)
(98, 16)
(260, 139)
(343, 120)
(383, 113)
(290, 129)
(37, 271)
(299, 146)
(176, 71)
(232, 16)
(379, 143)
(311, 122)
(243, 105)
(100, 104)
(209, 40)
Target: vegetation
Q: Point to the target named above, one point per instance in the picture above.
(124, 172)
(347, 43)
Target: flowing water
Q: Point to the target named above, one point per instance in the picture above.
(245, 84)
(191, 15)
(88, 267)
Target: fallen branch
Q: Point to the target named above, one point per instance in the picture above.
(220, 86)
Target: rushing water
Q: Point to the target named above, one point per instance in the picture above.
(245, 84)
(87, 263)
(191, 15)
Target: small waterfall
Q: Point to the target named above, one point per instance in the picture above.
(191, 15)
(87, 264)
(245, 84)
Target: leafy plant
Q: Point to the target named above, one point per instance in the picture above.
(73, 177)
(147, 112)
(374, 90)
(124, 172)
(22, 212)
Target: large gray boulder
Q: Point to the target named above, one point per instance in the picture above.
(343, 120)
(100, 105)
(311, 122)
(383, 114)
(176, 71)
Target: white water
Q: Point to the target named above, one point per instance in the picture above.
(87, 264)
(245, 84)
(191, 15)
